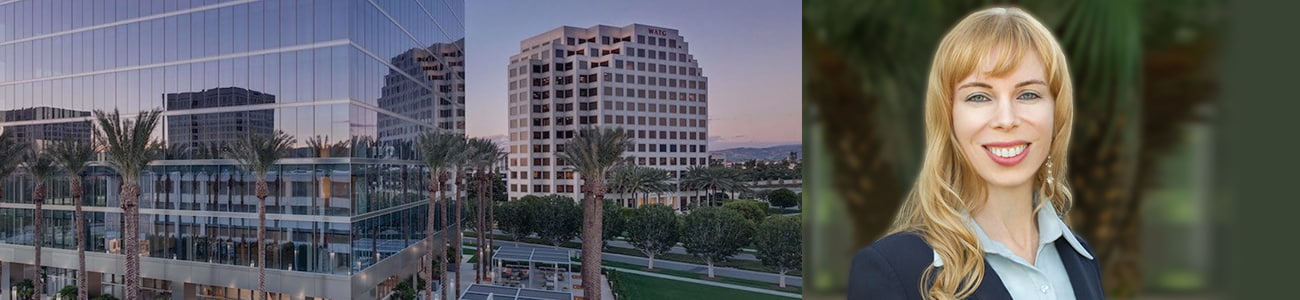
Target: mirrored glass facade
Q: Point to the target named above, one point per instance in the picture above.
(352, 81)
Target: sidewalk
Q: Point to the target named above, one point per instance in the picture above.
(706, 282)
(673, 265)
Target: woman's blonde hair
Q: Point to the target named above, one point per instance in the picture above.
(947, 187)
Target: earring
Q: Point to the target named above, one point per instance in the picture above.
(1049, 169)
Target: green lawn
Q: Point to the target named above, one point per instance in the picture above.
(640, 287)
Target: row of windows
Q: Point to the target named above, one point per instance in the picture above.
(617, 63)
(640, 134)
(617, 92)
(644, 161)
(655, 121)
(660, 41)
(542, 175)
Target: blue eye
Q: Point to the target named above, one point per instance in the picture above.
(1029, 96)
(977, 98)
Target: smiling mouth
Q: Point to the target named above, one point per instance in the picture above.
(1008, 153)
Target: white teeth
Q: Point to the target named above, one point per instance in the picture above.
(1008, 152)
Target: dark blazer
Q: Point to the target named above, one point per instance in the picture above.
(891, 269)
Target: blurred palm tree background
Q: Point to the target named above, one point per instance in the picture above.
(1144, 76)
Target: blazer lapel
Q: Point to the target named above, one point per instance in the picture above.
(992, 287)
(1082, 271)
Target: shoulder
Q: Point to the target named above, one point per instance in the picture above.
(890, 268)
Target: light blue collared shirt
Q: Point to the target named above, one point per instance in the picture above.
(1047, 277)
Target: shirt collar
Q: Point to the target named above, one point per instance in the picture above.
(1050, 228)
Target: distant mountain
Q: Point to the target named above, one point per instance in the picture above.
(768, 153)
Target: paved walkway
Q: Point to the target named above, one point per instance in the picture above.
(672, 265)
(706, 282)
(745, 254)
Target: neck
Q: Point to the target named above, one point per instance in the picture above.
(1007, 214)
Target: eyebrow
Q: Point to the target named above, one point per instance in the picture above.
(987, 86)
(975, 84)
(1029, 82)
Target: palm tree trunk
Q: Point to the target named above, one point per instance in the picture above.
(81, 238)
(434, 187)
(490, 237)
(591, 237)
(478, 230)
(457, 234)
(482, 224)
(38, 197)
(130, 211)
(261, 193)
(446, 234)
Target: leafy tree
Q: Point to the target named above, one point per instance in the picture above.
(614, 223)
(516, 217)
(654, 229)
(403, 291)
(26, 289)
(779, 241)
(557, 219)
(783, 198)
(715, 234)
(68, 292)
(753, 211)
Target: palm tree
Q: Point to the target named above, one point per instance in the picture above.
(634, 180)
(482, 154)
(713, 178)
(436, 149)
(591, 154)
(39, 164)
(459, 159)
(128, 151)
(10, 155)
(74, 156)
(257, 154)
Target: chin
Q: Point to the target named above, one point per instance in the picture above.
(1007, 178)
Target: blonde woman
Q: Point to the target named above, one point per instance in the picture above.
(983, 218)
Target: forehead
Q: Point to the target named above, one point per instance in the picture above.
(1015, 66)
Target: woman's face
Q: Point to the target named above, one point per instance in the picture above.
(1004, 124)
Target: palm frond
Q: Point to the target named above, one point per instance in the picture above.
(257, 154)
(127, 143)
(73, 155)
(11, 150)
(595, 150)
(39, 164)
(439, 149)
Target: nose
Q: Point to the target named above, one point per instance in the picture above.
(1004, 117)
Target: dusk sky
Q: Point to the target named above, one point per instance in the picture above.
(749, 50)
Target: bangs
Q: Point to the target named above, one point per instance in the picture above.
(990, 38)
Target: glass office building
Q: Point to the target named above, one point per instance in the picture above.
(352, 81)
